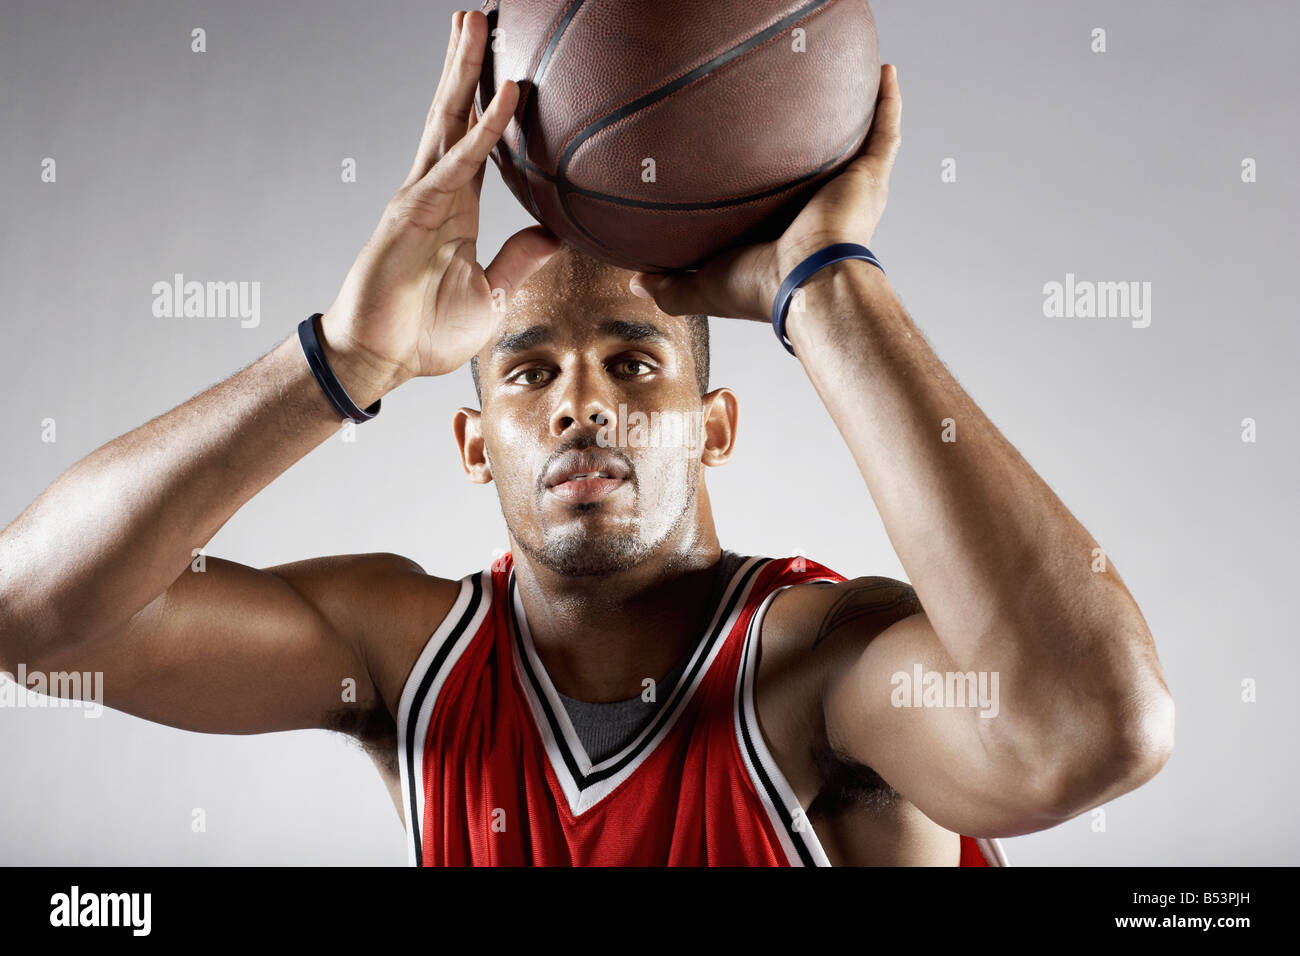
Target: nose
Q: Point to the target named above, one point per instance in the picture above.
(581, 404)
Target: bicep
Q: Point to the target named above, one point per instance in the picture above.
(238, 650)
(900, 705)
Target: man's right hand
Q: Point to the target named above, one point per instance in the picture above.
(100, 573)
(416, 301)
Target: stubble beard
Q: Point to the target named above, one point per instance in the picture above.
(579, 552)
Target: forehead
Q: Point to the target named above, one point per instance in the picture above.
(572, 302)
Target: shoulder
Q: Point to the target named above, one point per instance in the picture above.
(390, 607)
(412, 606)
(815, 610)
(384, 605)
(803, 641)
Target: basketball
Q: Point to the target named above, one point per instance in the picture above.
(654, 135)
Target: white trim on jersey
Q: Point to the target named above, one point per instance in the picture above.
(460, 625)
(448, 643)
(787, 816)
(593, 782)
(992, 850)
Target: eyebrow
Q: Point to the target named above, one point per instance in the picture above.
(536, 335)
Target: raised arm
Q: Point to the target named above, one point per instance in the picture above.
(1008, 580)
(96, 573)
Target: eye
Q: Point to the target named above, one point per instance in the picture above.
(628, 367)
(522, 377)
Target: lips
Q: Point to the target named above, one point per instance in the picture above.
(579, 490)
(586, 475)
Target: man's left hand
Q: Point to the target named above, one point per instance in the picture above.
(742, 283)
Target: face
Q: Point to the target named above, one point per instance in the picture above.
(592, 424)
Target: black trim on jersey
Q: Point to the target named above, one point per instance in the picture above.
(412, 717)
(665, 713)
(796, 837)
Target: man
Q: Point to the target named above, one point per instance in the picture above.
(616, 689)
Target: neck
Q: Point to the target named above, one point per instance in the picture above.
(600, 637)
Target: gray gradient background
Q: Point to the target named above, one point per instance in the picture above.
(1121, 166)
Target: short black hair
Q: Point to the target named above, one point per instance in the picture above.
(696, 325)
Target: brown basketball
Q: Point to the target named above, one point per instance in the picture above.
(653, 134)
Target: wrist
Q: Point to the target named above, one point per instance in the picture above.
(835, 292)
(365, 376)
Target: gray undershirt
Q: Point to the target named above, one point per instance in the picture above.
(605, 729)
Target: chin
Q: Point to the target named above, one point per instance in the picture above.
(586, 554)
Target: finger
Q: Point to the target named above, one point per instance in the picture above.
(426, 147)
(478, 176)
(449, 116)
(678, 293)
(464, 160)
(727, 286)
(456, 99)
(887, 126)
(522, 254)
(453, 43)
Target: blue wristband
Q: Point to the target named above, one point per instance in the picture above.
(325, 377)
(800, 273)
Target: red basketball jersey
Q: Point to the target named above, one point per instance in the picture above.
(494, 774)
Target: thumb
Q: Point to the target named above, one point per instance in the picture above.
(675, 293)
(519, 257)
(729, 285)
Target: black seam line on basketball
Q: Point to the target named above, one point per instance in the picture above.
(521, 107)
(413, 715)
(739, 50)
(685, 79)
(542, 64)
(570, 761)
(664, 91)
(564, 186)
(675, 703)
(805, 853)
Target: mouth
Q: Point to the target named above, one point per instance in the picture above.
(585, 475)
(586, 487)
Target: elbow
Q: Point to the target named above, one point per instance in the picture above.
(9, 636)
(1145, 740)
(1113, 753)
(27, 640)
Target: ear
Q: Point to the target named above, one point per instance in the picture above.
(467, 425)
(721, 414)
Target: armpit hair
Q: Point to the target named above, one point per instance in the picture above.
(373, 729)
(848, 785)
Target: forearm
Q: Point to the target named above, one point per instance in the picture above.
(1003, 570)
(116, 529)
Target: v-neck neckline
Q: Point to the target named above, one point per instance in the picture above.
(585, 782)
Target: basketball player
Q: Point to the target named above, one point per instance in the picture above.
(618, 688)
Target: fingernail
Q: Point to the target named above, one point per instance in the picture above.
(638, 289)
